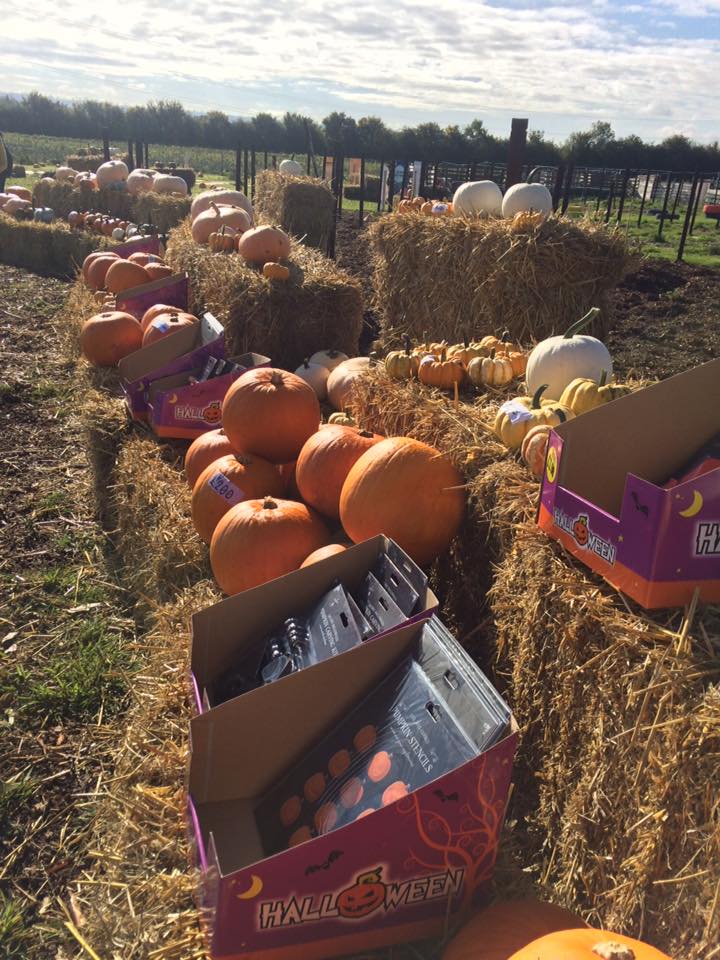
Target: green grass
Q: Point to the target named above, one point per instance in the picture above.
(13, 794)
(14, 933)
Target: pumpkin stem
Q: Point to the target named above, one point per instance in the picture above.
(306, 363)
(492, 353)
(581, 323)
(364, 433)
(536, 396)
(505, 338)
(466, 342)
(612, 950)
(269, 504)
(561, 415)
(603, 378)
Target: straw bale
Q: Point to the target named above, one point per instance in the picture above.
(46, 248)
(618, 768)
(319, 307)
(160, 210)
(89, 162)
(456, 276)
(157, 543)
(303, 206)
(105, 427)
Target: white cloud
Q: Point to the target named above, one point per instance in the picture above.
(464, 58)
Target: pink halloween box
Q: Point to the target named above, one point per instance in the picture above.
(325, 609)
(617, 494)
(186, 349)
(356, 804)
(170, 291)
(184, 406)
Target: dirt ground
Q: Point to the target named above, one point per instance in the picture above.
(65, 640)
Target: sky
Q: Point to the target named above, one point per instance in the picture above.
(650, 68)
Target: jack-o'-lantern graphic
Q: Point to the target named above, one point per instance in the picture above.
(364, 897)
(213, 412)
(580, 531)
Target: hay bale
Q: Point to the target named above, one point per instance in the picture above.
(52, 249)
(617, 770)
(319, 307)
(159, 549)
(18, 171)
(456, 276)
(105, 427)
(303, 206)
(86, 162)
(161, 211)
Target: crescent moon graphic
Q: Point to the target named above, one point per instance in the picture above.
(253, 890)
(173, 398)
(695, 507)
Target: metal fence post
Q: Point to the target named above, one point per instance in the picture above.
(245, 171)
(106, 146)
(252, 171)
(391, 185)
(238, 155)
(623, 192)
(382, 171)
(700, 185)
(688, 218)
(131, 164)
(516, 151)
(665, 203)
(557, 189)
(610, 200)
(361, 207)
(644, 195)
(568, 187)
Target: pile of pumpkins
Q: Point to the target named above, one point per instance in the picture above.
(485, 198)
(275, 489)
(223, 221)
(489, 362)
(566, 376)
(114, 175)
(17, 202)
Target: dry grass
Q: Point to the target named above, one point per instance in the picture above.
(319, 307)
(455, 276)
(303, 206)
(46, 248)
(160, 211)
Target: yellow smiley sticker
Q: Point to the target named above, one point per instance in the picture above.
(551, 465)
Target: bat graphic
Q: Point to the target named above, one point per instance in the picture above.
(446, 796)
(332, 857)
(641, 507)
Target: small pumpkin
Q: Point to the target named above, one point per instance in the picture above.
(557, 361)
(341, 419)
(270, 413)
(264, 244)
(233, 198)
(331, 550)
(214, 217)
(259, 540)
(534, 449)
(426, 208)
(276, 271)
(490, 371)
(465, 352)
(315, 375)
(123, 275)
(407, 490)
(230, 480)
(436, 371)
(342, 379)
(324, 463)
(582, 394)
(165, 325)
(204, 450)
(587, 944)
(222, 240)
(401, 364)
(329, 358)
(109, 336)
(516, 417)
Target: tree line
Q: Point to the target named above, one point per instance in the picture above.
(168, 122)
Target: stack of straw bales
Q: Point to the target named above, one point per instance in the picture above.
(163, 212)
(50, 249)
(319, 307)
(471, 277)
(303, 206)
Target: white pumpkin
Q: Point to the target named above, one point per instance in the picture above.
(329, 358)
(165, 183)
(140, 181)
(480, 196)
(86, 179)
(559, 360)
(340, 382)
(526, 198)
(118, 233)
(290, 168)
(316, 376)
(4, 197)
(22, 193)
(65, 175)
(131, 230)
(234, 197)
(114, 171)
(216, 216)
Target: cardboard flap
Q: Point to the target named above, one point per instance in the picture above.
(172, 291)
(651, 433)
(147, 359)
(243, 746)
(167, 383)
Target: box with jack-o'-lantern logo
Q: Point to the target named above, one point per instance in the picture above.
(183, 406)
(419, 795)
(617, 495)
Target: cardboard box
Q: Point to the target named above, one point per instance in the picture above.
(413, 862)
(179, 408)
(172, 291)
(602, 496)
(146, 245)
(236, 628)
(184, 350)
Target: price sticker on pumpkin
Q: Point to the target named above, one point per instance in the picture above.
(225, 488)
(516, 411)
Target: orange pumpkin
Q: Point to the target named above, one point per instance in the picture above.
(534, 448)
(230, 480)
(204, 450)
(287, 472)
(264, 245)
(408, 491)
(322, 554)
(270, 413)
(587, 944)
(142, 258)
(155, 311)
(158, 271)
(276, 271)
(166, 324)
(439, 372)
(123, 275)
(91, 258)
(259, 540)
(325, 461)
(108, 337)
(172, 316)
(98, 270)
(216, 216)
